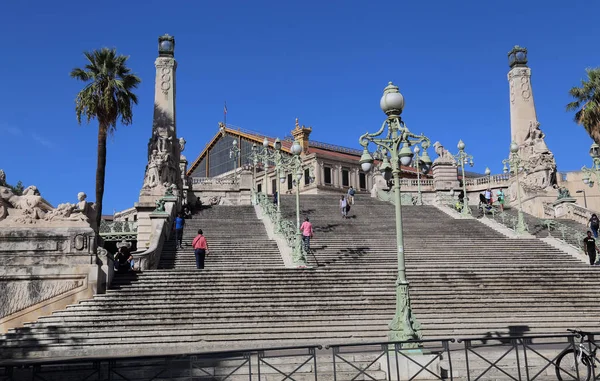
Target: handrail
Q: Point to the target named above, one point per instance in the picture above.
(440, 363)
(567, 234)
(285, 228)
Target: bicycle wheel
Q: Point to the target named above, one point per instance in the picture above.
(566, 369)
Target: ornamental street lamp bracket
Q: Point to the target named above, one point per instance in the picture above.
(515, 165)
(394, 138)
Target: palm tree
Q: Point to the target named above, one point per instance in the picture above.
(587, 104)
(107, 96)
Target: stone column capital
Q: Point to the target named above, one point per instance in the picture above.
(165, 62)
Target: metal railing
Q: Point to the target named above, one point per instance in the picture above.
(118, 230)
(493, 356)
(566, 233)
(286, 228)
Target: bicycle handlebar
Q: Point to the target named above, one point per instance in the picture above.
(579, 332)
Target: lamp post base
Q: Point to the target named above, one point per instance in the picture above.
(520, 228)
(404, 325)
(298, 254)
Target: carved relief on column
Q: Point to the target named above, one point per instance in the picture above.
(525, 87)
(511, 82)
(165, 68)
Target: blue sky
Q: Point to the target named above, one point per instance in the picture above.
(325, 62)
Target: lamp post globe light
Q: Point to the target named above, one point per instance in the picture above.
(595, 170)
(515, 164)
(464, 158)
(397, 141)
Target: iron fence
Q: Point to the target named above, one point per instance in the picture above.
(491, 357)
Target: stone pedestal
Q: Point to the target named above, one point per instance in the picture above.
(44, 269)
(561, 206)
(444, 177)
(144, 223)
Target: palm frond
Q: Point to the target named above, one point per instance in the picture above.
(586, 103)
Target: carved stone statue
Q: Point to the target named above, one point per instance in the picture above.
(2, 178)
(539, 160)
(444, 156)
(31, 205)
(81, 211)
(32, 208)
(153, 173)
(182, 144)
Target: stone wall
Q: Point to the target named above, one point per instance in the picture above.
(45, 269)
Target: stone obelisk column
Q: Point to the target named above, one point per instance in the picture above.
(163, 169)
(537, 159)
(522, 108)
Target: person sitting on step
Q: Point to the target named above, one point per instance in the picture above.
(124, 261)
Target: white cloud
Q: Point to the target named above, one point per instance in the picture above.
(43, 141)
(12, 130)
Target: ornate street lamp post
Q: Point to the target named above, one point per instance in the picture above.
(418, 166)
(515, 165)
(295, 166)
(234, 153)
(488, 175)
(595, 170)
(254, 165)
(463, 158)
(263, 154)
(397, 141)
(277, 146)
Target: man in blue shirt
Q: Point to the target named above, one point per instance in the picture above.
(179, 224)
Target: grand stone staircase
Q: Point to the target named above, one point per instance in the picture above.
(244, 298)
(235, 236)
(466, 280)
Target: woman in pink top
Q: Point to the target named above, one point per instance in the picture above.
(307, 233)
(200, 249)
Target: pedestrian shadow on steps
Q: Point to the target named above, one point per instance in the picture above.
(353, 253)
(307, 212)
(514, 331)
(21, 342)
(326, 228)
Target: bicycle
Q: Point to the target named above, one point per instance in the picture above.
(576, 361)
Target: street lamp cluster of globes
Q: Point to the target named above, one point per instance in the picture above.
(595, 170)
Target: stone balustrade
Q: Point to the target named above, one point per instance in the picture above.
(492, 180)
(118, 230)
(214, 184)
(413, 185)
